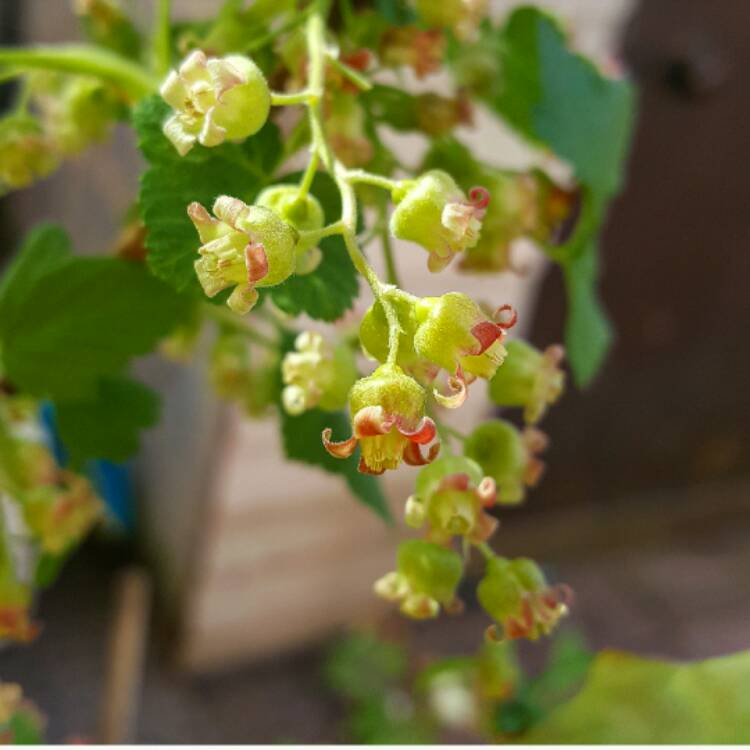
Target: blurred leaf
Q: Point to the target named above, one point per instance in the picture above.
(588, 333)
(108, 425)
(392, 106)
(558, 99)
(172, 182)
(363, 666)
(26, 728)
(111, 28)
(565, 670)
(630, 700)
(388, 720)
(48, 567)
(67, 321)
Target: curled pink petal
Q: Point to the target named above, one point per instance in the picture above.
(371, 421)
(423, 433)
(341, 449)
(486, 333)
(506, 316)
(413, 454)
(256, 262)
(457, 385)
(533, 473)
(479, 197)
(485, 528)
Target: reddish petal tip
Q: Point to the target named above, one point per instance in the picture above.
(423, 433)
(256, 262)
(479, 197)
(342, 449)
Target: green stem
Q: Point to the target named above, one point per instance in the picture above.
(161, 43)
(297, 19)
(368, 178)
(387, 245)
(309, 175)
(485, 550)
(348, 72)
(228, 319)
(453, 432)
(314, 236)
(316, 64)
(286, 100)
(85, 60)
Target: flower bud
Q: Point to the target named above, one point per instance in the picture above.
(508, 456)
(345, 129)
(462, 16)
(452, 495)
(437, 115)
(215, 100)
(388, 422)
(427, 576)
(15, 602)
(529, 378)
(305, 214)
(61, 515)
(421, 50)
(374, 337)
(454, 333)
(523, 205)
(433, 212)
(26, 153)
(316, 375)
(515, 593)
(244, 246)
(75, 111)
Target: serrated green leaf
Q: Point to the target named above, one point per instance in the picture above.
(630, 700)
(172, 182)
(588, 333)
(556, 98)
(331, 289)
(65, 321)
(107, 425)
(45, 247)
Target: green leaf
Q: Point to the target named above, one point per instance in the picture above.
(302, 442)
(558, 99)
(588, 334)
(47, 569)
(363, 666)
(26, 727)
(301, 437)
(108, 425)
(331, 289)
(172, 182)
(630, 700)
(65, 321)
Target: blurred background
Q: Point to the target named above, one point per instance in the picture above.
(644, 507)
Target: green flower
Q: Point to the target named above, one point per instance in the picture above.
(244, 247)
(215, 100)
(426, 577)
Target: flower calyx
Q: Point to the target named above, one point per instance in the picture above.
(243, 246)
(452, 496)
(388, 423)
(509, 456)
(433, 212)
(455, 334)
(529, 378)
(304, 213)
(515, 593)
(425, 579)
(214, 100)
